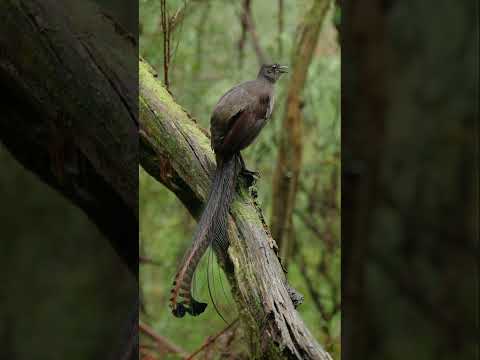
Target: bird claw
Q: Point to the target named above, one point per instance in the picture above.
(195, 309)
(252, 176)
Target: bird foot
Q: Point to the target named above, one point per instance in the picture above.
(251, 176)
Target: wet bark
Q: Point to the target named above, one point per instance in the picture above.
(69, 109)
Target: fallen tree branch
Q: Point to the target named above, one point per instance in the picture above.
(176, 151)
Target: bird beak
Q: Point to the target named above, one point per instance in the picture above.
(283, 69)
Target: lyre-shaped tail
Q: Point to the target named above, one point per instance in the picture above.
(182, 301)
(211, 228)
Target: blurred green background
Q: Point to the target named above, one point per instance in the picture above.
(205, 62)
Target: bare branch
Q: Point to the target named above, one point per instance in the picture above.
(243, 35)
(165, 24)
(248, 23)
(163, 344)
(281, 11)
(212, 339)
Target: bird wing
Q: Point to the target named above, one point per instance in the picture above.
(235, 100)
(228, 109)
(244, 129)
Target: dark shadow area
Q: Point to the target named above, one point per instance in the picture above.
(68, 179)
(65, 293)
(410, 180)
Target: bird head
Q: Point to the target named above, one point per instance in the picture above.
(272, 72)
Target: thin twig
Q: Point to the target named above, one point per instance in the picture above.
(166, 40)
(243, 36)
(145, 354)
(280, 27)
(211, 340)
(247, 18)
(147, 260)
(162, 342)
(178, 16)
(325, 314)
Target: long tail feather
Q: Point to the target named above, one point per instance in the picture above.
(212, 227)
(211, 284)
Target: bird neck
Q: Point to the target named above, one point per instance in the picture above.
(265, 78)
(267, 82)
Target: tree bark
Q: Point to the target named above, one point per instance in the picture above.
(176, 151)
(287, 170)
(68, 78)
(362, 147)
(69, 109)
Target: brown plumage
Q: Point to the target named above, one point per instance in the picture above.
(237, 119)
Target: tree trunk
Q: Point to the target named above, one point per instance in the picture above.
(177, 152)
(410, 180)
(69, 113)
(70, 109)
(361, 148)
(287, 170)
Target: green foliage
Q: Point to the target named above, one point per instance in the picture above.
(205, 63)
